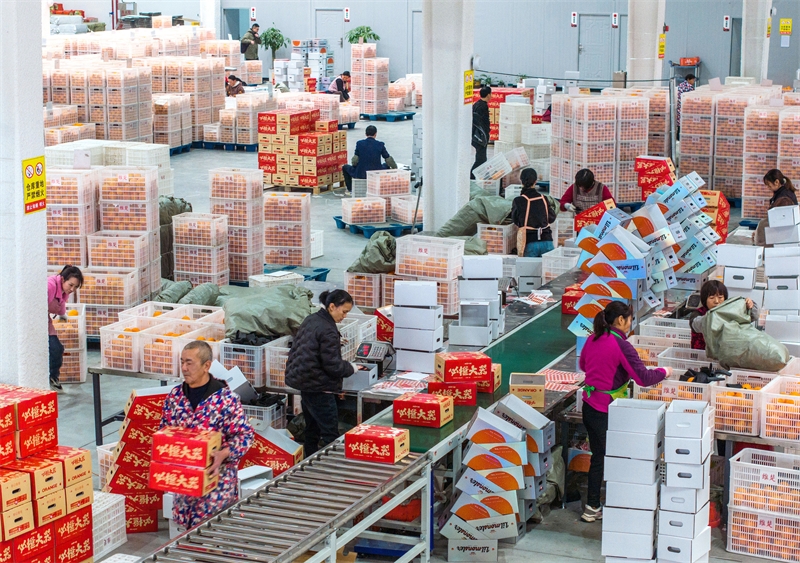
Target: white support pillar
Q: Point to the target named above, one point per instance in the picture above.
(448, 30)
(755, 45)
(645, 24)
(23, 269)
(210, 14)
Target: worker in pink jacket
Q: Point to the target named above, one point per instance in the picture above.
(59, 288)
(610, 362)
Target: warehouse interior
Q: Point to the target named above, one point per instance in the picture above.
(227, 211)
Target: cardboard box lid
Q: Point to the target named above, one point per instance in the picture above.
(519, 413)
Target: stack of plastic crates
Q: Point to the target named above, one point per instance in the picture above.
(364, 288)
(404, 208)
(71, 196)
(201, 248)
(287, 220)
(558, 182)
(367, 327)
(764, 507)
(318, 243)
(429, 257)
(446, 292)
(658, 139)
(559, 261)
(160, 346)
(697, 124)
(142, 154)
(140, 251)
(169, 111)
(251, 360)
(119, 342)
(760, 154)
(595, 131)
(273, 415)
(649, 347)
(780, 413)
(737, 410)
(277, 352)
(729, 135)
(72, 335)
(247, 110)
(788, 142)
(633, 120)
(370, 79)
(499, 239)
(245, 244)
(108, 522)
(387, 184)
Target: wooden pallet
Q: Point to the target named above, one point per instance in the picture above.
(315, 190)
(391, 117)
(394, 229)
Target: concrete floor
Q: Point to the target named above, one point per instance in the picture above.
(561, 537)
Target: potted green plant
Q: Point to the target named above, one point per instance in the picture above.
(273, 40)
(362, 32)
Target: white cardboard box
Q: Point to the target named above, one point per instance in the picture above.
(638, 546)
(469, 335)
(529, 283)
(757, 295)
(422, 340)
(688, 450)
(415, 293)
(740, 256)
(782, 235)
(477, 290)
(690, 476)
(529, 267)
(633, 445)
(361, 379)
(627, 495)
(469, 550)
(411, 360)
(458, 529)
(474, 313)
(687, 419)
(483, 267)
(684, 550)
(628, 560)
(421, 318)
(629, 520)
(634, 471)
(739, 278)
(682, 525)
(534, 487)
(783, 327)
(645, 417)
(784, 216)
(680, 499)
(781, 299)
(782, 261)
(783, 284)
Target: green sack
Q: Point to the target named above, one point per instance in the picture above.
(378, 256)
(174, 293)
(277, 311)
(491, 210)
(203, 294)
(734, 342)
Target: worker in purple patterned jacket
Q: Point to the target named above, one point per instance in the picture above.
(610, 362)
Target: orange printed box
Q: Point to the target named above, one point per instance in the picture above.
(481, 457)
(385, 324)
(45, 475)
(146, 404)
(423, 409)
(17, 521)
(49, 508)
(35, 439)
(79, 495)
(73, 525)
(529, 387)
(188, 447)
(131, 458)
(141, 522)
(15, 489)
(463, 394)
(328, 126)
(381, 444)
(77, 550)
(458, 367)
(37, 541)
(76, 463)
(493, 384)
(178, 479)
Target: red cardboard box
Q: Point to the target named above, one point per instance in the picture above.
(187, 447)
(145, 502)
(122, 481)
(32, 407)
(690, 61)
(273, 448)
(463, 394)
(381, 444)
(146, 404)
(592, 215)
(268, 162)
(6, 552)
(8, 449)
(48, 557)
(75, 550)
(7, 417)
(79, 495)
(181, 480)
(49, 508)
(423, 409)
(76, 463)
(141, 522)
(569, 300)
(385, 324)
(329, 126)
(45, 475)
(34, 439)
(133, 459)
(17, 521)
(73, 525)
(458, 367)
(137, 436)
(33, 543)
(494, 384)
(15, 489)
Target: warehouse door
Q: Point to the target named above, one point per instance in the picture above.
(736, 47)
(594, 50)
(622, 62)
(416, 42)
(329, 24)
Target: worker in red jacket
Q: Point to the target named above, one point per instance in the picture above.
(584, 193)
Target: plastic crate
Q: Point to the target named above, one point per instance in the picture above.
(129, 183)
(291, 207)
(203, 229)
(275, 279)
(287, 256)
(110, 286)
(66, 250)
(652, 393)
(348, 328)
(115, 249)
(366, 210)
(129, 215)
(155, 310)
(245, 240)
(738, 411)
(317, 244)
(387, 287)
(364, 288)
(367, 327)
(429, 257)
(236, 183)
(493, 169)
(242, 266)
(499, 239)
(71, 219)
(388, 182)
(359, 188)
(73, 368)
(119, 345)
(251, 360)
(682, 359)
(594, 108)
(72, 330)
(761, 143)
(98, 316)
(729, 126)
(199, 278)
(277, 352)
(780, 414)
(199, 313)
(765, 535)
(674, 329)
(765, 481)
(201, 259)
(649, 347)
(559, 261)
(212, 335)
(240, 212)
(753, 162)
(71, 187)
(594, 131)
(789, 121)
(105, 460)
(278, 233)
(491, 187)
(403, 208)
(274, 415)
(160, 346)
(108, 522)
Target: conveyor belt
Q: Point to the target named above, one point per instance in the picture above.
(299, 510)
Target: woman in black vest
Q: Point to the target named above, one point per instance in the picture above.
(533, 213)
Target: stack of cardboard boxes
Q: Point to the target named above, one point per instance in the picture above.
(481, 318)
(632, 479)
(180, 461)
(418, 329)
(741, 266)
(499, 96)
(782, 268)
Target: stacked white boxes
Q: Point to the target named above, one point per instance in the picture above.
(632, 478)
(529, 274)
(683, 532)
(741, 264)
(481, 318)
(418, 332)
(782, 268)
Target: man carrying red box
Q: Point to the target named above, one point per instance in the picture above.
(203, 402)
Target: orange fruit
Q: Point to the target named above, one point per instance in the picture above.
(186, 318)
(72, 313)
(158, 313)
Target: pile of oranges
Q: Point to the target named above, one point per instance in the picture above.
(782, 497)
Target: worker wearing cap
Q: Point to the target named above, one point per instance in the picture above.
(367, 157)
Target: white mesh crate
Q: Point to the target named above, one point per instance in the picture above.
(429, 257)
(652, 393)
(277, 352)
(283, 233)
(738, 410)
(404, 207)
(649, 347)
(66, 250)
(250, 359)
(129, 183)
(292, 207)
(154, 310)
(682, 359)
(204, 229)
(105, 461)
(108, 523)
(71, 219)
(242, 266)
(359, 188)
(317, 244)
(491, 187)
(766, 481)
(675, 329)
(366, 210)
(367, 327)
(364, 288)
(73, 367)
(107, 286)
(64, 155)
(98, 316)
(116, 249)
(119, 345)
(201, 259)
(499, 239)
(559, 261)
(274, 415)
(212, 335)
(198, 278)
(72, 330)
(287, 256)
(348, 328)
(240, 212)
(780, 413)
(160, 346)
(245, 240)
(236, 183)
(71, 187)
(512, 191)
(142, 154)
(762, 534)
(564, 227)
(493, 169)
(275, 279)
(510, 266)
(129, 215)
(388, 182)
(198, 313)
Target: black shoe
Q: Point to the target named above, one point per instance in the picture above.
(55, 384)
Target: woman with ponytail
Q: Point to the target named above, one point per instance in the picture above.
(781, 187)
(610, 362)
(315, 368)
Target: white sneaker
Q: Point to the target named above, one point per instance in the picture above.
(592, 514)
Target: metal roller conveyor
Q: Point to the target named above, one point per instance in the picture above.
(310, 506)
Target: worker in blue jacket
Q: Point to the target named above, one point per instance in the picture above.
(367, 157)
